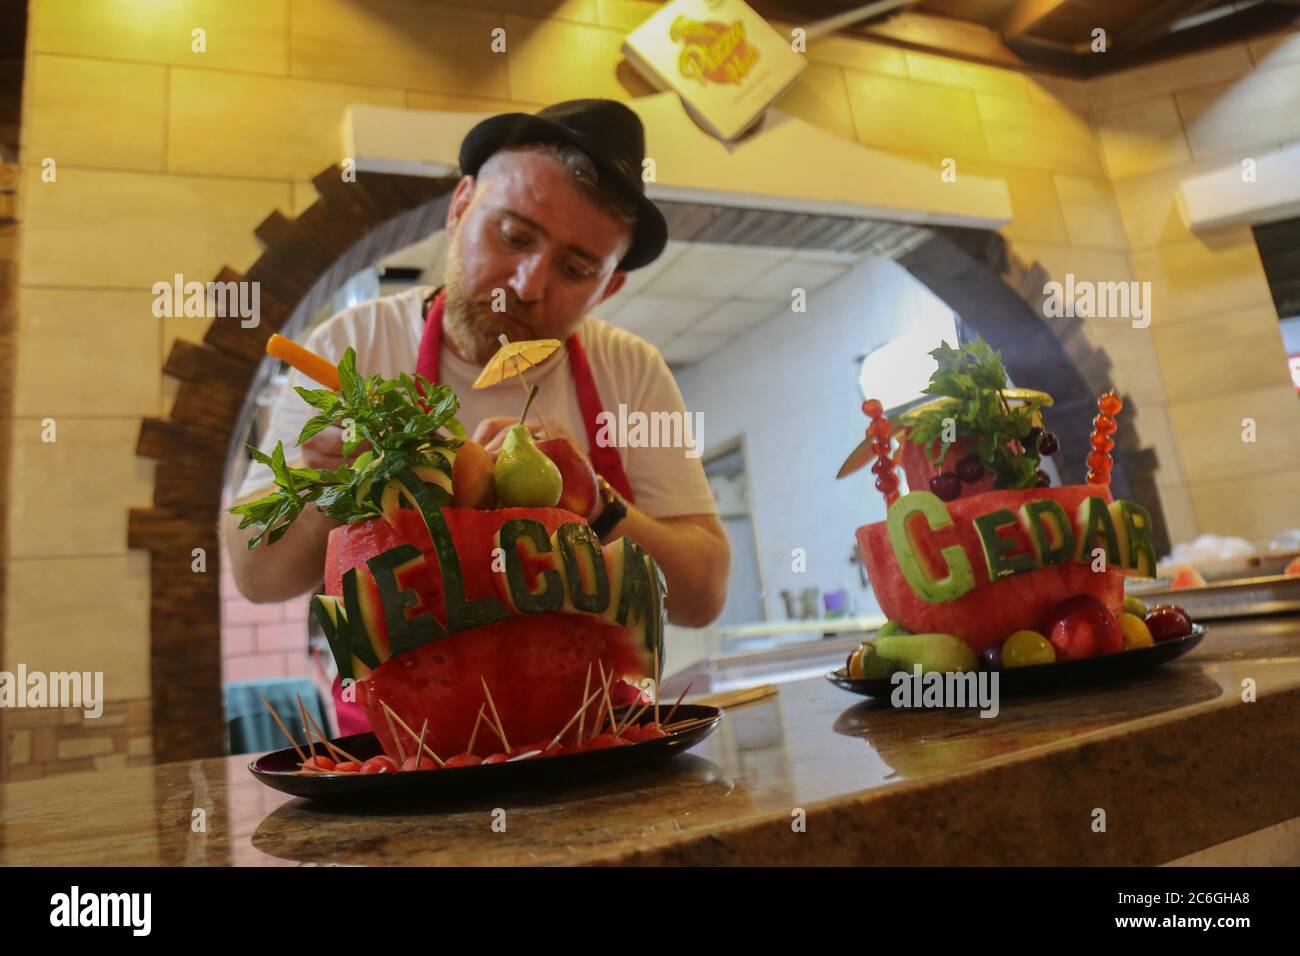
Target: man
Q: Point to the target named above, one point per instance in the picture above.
(549, 216)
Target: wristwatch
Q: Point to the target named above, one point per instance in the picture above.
(613, 511)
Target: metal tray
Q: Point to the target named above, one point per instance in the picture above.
(1241, 597)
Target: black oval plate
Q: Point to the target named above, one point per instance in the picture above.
(1065, 674)
(279, 769)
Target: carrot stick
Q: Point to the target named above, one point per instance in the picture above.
(304, 360)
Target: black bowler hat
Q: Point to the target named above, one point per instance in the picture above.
(607, 131)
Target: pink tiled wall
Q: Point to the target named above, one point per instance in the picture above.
(262, 640)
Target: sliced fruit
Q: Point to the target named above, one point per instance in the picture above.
(1188, 577)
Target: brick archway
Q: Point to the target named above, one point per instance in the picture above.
(351, 225)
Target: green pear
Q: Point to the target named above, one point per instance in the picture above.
(934, 652)
(524, 477)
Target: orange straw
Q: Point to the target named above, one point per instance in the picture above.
(304, 360)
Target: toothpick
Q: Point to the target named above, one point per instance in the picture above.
(631, 717)
(424, 729)
(280, 723)
(669, 718)
(501, 730)
(332, 747)
(397, 741)
(474, 733)
(656, 682)
(582, 716)
(604, 683)
(407, 727)
(577, 716)
(302, 712)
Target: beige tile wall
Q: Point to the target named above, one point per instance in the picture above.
(167, 158)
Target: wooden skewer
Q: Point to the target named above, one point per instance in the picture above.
(397, 741)
(419, 746)
(501, 730)
(687, 724)
(310, 725)
(669, 718)
(582, 711)
(734, 698)
(389, 712)
(606, 680)
(280, 723)
(474, 733)
(577, 716)
(302, 712)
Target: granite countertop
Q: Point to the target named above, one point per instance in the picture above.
(1176, 759)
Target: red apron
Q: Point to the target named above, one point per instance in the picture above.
(604, 458)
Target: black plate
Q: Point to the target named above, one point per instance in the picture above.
(279, 769)
(1062, 675)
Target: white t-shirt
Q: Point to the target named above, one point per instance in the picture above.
(628, 370)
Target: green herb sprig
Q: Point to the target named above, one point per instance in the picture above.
(400, 419)
(973, 376)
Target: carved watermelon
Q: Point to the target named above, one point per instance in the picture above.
(992, 610)
(534, 664)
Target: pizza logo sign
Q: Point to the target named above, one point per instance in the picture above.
(713, 52)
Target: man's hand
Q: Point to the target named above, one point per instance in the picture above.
(491, 433)
(324, 450)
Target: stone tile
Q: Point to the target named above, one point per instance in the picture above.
(18, 747)
(1231, 352)
(45, 744)
(1254, 507)
(1256, 112)
(252, 667)
(1039, 135)
(109, 634)
(1135, 364)
(966, 75)
(1059, 91)
(250, 36)
(1191, 280)
(134, 229)
(1210, 437)
(1142, 137)
(1151, 421)
(85, 747)
(96, 112)
(896, 114)
(140, 747)
(1276, 49)
(1035, 207)
(227, 124)
(281, 637)
(52, 513)
(1148, 205)
(139, 713)
(418, 46)
(110, 762)
(236, 641)
(62, 371)
(860, 55)
(23, 774)
(1180, 513)
(537, 48)
(624, 14)
(821, 97)
(1169, 76)
(1091, 213)
(456, 103)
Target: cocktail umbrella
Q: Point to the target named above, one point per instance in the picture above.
(512, 359)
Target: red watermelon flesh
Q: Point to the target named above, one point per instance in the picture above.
(534, 664)
(991, 611)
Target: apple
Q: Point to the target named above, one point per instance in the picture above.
(471, 478)
(1082, 627)
(579, 494)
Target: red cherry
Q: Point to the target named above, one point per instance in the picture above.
(1103, 425)
(347, 766)
(318, 763)
(652, 732)
(1110, 403)
(1101, 442)
(380, 764)
(872, 407)
(1098, 461)
(424, 763)
(887, 482)
(1082, 627)
(881, 447)
(605, 741)
(1096, 479)
(947, 486)
(1168, 622)
(879, 428)
(496, 758)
